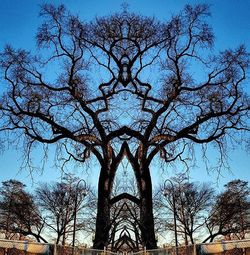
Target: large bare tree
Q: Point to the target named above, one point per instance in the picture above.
(125, 86)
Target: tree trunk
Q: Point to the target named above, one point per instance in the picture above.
(103, 210)
(146, 210)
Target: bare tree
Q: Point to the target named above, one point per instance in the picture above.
(20, 215)
(229, 215)
(59, 202)
(202, 216)
(192, 205)
(83, 115)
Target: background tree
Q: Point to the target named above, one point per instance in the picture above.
(20, 215)
(229, 215)
(83, 114)
(57, 202)
(192, 205)
(202, 215)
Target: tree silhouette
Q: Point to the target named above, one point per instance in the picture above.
(125, 86)
(230, 214)
(192, 205)
(20, 215)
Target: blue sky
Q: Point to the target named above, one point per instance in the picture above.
(19, 21)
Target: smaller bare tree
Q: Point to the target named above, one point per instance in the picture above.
(192, 204)
(200, 214)
(19, 213)
(230, 214)
(59, 202)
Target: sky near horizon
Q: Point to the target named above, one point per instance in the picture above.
(231, 24)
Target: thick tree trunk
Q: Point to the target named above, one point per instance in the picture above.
(146, 210)
(103, 210)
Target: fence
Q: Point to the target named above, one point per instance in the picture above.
(14, 247)
(235, 247)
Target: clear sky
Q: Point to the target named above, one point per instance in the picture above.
(19, 20)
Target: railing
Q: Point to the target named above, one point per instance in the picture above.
(14, 247)
(235, 247)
